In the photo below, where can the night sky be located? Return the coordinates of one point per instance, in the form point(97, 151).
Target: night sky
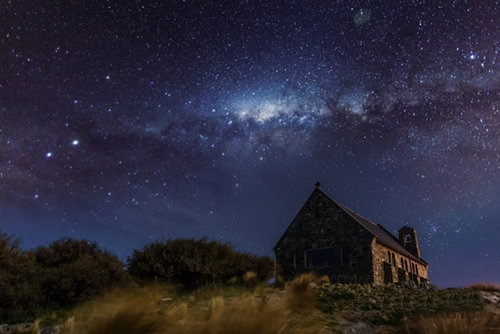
point(125, 122)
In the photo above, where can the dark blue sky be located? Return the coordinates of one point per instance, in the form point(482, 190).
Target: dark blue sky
point(126, 122)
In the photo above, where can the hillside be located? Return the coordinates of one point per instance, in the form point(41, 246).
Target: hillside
point(305, 305)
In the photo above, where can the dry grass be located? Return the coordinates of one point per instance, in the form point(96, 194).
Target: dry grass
point(250, 278)
point(265, 311)
point(300, 294)
point(455, 323)
point(481, 286)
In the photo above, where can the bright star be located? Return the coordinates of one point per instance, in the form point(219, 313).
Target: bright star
point(75, 142)
point(48, 155)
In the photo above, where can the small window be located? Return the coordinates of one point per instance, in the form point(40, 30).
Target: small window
point(388, 256)
point(406, 265)
point(393, 259)
point(402, 263)
point(416, 269)
point(408, 238)
point(322, 257)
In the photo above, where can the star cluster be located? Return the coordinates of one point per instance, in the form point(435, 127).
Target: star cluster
point(125, 122)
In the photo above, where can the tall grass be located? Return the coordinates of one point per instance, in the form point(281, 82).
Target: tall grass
point(455, 323)
point(149, 311)
point(300, 294)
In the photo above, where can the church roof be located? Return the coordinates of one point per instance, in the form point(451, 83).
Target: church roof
point(377, 230)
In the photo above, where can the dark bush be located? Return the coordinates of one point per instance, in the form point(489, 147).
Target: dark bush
point(19, 290)
point(192, 263)
point(72, 271)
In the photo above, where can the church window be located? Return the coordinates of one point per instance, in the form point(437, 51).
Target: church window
point(321, 257)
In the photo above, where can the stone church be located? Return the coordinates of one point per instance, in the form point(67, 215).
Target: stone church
point(331, 239)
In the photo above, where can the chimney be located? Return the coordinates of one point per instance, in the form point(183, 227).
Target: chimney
point(408, 238)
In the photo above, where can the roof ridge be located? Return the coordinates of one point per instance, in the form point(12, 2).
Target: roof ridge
point(388, 232)
point(356, 216)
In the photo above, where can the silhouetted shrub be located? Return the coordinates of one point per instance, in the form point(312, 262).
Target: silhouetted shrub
point(193, 263)
point(19, 291)
point(72, 271)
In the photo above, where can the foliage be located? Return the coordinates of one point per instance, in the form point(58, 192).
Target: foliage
point(72, 271)
point(193, 263)
point(19, 291)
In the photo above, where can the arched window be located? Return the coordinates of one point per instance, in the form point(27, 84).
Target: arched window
point(393, 259)
point(402, 263)
point(388, 256)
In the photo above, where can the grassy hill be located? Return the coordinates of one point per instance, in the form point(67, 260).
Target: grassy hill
point(305, 305)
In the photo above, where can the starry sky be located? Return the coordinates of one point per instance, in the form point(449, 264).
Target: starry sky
point(126, 122)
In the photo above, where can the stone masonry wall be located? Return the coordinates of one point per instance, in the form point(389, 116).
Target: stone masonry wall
point(320, 224)
point(399, 273)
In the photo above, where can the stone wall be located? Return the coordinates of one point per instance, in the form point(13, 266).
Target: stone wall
point(321, 223)
point(381, 261)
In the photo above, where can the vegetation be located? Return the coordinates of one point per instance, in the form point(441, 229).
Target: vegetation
point(200, 286)
point(72, 271)
point(147, 310)
point(480, 286)
point(454, 323)
point(69, 272)
point(58, 276)
point(19, 289)
point(392, 304)
point(193, 263)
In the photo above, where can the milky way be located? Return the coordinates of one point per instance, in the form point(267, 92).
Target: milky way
point(126, 122)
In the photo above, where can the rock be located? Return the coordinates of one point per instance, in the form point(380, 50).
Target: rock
point(356, 328)
point(6, 328)
point(50, 330)
point(490, 297)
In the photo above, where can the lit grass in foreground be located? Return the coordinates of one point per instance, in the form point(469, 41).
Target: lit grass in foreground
point(264, 311)
point(455, 323)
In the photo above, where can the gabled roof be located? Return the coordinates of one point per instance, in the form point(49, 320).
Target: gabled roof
point(379, 232)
